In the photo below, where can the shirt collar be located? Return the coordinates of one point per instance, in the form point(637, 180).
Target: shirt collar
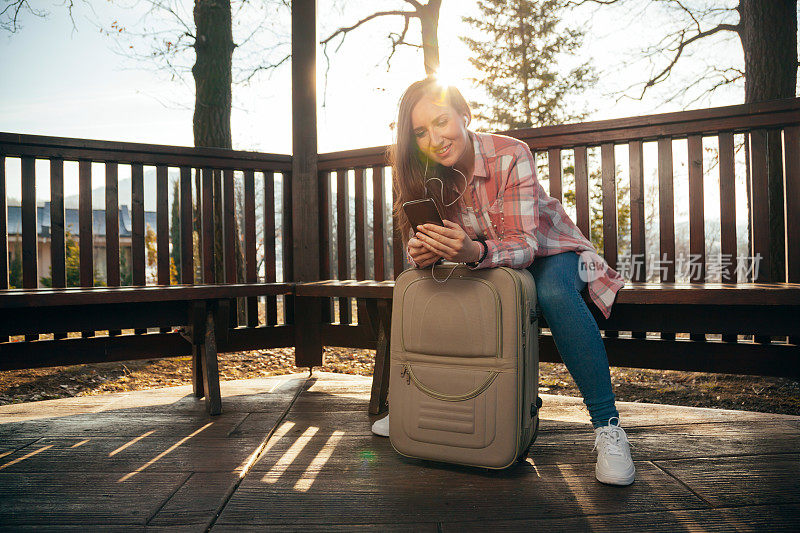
point(481, 169)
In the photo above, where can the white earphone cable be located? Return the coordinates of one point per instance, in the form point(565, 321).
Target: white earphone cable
point(441, 196)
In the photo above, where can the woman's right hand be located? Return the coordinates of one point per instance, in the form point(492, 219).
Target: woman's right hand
point(421, 255)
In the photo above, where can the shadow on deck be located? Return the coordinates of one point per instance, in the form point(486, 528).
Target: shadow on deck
point(296, 453)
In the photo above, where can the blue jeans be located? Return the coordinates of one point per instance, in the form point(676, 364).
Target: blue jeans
point(575, 331)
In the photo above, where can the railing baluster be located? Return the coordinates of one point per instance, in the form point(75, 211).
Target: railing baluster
point(791, 165)
point(361, 251)
point(207, 230)
point(378, 241)
point(187, 245)
point(162, 228)
point(609, 180)
point(697, 239)
point(57, 246)
point(582, 191)
point(112, 224)
point(759, 210)
point(162, 225)
point(137, 230)
point(229, 238)
point(3, 232)
point(343, 238)
point(727, 210)
point(666, 216)
point(85, 229)
point(58, 268)
point(759, 203)
point(638, 262)
point(251, 276)
point(324, 191)
point(112, 228)
point(269, 245)
point(288, 247)
point(554, 167)
point(29, 236)
point(609, 186)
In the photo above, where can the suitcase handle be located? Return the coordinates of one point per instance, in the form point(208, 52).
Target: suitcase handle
point(449, 397)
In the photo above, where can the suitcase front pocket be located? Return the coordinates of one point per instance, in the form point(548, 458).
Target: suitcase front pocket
point(458, 319)
point(449, 406)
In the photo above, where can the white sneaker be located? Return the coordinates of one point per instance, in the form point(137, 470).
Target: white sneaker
point(381, 427)
point(614, 463)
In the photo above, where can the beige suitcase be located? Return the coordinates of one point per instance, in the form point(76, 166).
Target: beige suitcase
point(464, 366)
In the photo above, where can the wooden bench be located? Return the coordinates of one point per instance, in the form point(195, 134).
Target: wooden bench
point(759, 309)
point(203, 313)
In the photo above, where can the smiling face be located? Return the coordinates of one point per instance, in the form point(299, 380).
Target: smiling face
point(440, 132)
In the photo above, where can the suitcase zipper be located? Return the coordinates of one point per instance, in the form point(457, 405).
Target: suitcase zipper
point(408, 373)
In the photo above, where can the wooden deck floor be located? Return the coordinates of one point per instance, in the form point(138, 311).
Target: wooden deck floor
point(296, 453)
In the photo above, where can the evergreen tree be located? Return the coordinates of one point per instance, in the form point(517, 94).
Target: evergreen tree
point(519, 53)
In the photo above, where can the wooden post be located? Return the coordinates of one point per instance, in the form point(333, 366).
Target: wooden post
point(305, 186)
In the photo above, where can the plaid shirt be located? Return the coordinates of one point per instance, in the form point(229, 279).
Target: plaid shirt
point(520, 221)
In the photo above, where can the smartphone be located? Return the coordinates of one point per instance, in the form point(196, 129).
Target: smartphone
point(422, 212)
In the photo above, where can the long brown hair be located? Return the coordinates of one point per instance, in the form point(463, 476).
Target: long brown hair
point(409, 162)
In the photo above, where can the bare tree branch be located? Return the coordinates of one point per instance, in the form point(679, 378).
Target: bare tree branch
point(13, 10)
point(345, 30)
point(398, 41)
point(269, 67)
point(664, 74)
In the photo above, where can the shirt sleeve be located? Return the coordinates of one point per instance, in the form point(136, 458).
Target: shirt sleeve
point(518, 245)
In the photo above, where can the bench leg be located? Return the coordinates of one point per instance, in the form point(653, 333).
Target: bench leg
point(210, 367)
point(197, 371)
point(379, 313)
point(198, 319)
point(308, 335)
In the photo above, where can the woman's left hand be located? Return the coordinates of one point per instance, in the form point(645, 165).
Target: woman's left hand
point(450, 242)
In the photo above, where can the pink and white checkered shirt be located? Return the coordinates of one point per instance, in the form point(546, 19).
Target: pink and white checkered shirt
point(520, 221)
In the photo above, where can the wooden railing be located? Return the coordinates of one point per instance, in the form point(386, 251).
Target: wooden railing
point(649, 142)
point(356, 234)
point(199, 172)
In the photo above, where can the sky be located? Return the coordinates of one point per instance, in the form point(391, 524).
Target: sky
point(67, 81)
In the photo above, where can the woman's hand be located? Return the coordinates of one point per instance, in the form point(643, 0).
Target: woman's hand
point(450, 242)
point(421, 255)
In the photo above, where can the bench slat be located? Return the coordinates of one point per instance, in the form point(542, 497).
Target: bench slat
point(760, 294)
point(14, 298)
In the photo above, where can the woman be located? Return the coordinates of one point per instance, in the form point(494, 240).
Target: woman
point(496, 213)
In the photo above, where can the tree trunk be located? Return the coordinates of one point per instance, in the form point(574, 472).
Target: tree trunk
point(768, 32)
point(212, 111)
point(212, 73)
point(769, 40)
point(429, 19)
